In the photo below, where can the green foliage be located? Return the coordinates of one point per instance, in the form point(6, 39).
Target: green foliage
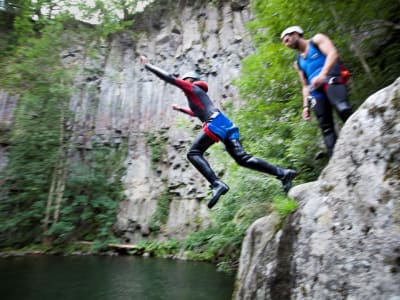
point(249, 199)
point(110, 16)
point(284, 205)
point(272, 88)
point(101, 245)
point(158, 248)
point(365, 32)
point(93, 192)
point(270, 123)
point(72, 248)
point(218, 244)
point(157, 142)
point(41, 147)
point(36, 73)
point(160, 216)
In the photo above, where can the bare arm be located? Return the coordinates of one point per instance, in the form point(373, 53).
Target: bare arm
point(327, 47)
point(305, 92)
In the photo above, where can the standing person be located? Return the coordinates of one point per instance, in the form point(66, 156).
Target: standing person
point(323, 85)
point(216, 127)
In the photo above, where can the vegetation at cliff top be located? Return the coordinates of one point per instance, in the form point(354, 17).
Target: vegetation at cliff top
point(47, 197)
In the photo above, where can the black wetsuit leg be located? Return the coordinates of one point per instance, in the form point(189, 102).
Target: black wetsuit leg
point(323, 112)
point(195, 156)
point(338, 97)
point(235, 149)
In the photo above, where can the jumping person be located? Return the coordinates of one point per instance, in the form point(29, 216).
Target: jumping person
point(216, 127)
point(323, 86)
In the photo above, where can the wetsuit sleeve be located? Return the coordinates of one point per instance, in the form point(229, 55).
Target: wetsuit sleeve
point(169, 78)
point(160, 73)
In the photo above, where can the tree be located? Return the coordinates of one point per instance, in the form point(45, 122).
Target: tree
point(35, 73)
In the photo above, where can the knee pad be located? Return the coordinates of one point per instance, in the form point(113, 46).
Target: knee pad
point(336, 92)
point(246, 160)
point(241, 156)
point(236, 150)
point(192, 154)
point(337, 95)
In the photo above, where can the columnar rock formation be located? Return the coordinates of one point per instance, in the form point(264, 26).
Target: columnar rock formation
point(118, 101)
point(210, 39)
point(7, 105)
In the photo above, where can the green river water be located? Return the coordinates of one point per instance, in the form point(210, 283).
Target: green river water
point(110, 278)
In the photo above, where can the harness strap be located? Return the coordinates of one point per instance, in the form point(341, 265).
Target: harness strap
point(333, 80)
point(208, 132)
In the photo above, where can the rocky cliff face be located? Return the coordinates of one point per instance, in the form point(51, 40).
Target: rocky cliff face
point(343, 242)
point(119, 102)
point(7, 105)
point(210, 39)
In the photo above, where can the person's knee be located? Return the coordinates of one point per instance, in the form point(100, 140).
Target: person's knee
point(338, 96)
point(337, 92)
point(241, 160)
point(241, 157)
point(247, 160)
point(237, 152)
point(193, 154)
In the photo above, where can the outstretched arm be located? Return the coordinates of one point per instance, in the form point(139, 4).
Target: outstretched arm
point(160, 73)
point(164, 75)
point(185, 110)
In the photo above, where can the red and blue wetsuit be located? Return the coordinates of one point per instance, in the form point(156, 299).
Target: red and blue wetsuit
point(199, 102)
point(216, 127)
point(215, 124)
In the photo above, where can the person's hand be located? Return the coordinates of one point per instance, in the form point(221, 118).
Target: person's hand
point(318, 81)
point(143, 59)
point(175, 107)
point(306, 113)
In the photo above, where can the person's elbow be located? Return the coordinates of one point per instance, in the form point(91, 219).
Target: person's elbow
point(334, 55)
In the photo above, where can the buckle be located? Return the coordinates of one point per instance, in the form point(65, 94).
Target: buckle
point(214, 115)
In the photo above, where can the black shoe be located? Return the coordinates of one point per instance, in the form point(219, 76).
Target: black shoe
point(219, 188)
point(286, 178)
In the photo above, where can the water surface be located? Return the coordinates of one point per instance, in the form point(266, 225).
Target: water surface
point(116, 278)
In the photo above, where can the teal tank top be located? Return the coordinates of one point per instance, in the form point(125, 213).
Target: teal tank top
point(313, 63)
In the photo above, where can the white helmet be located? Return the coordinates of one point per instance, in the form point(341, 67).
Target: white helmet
point(290, 30)
point(191, 74)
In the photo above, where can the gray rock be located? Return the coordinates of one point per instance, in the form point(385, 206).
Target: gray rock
point(343, 242)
